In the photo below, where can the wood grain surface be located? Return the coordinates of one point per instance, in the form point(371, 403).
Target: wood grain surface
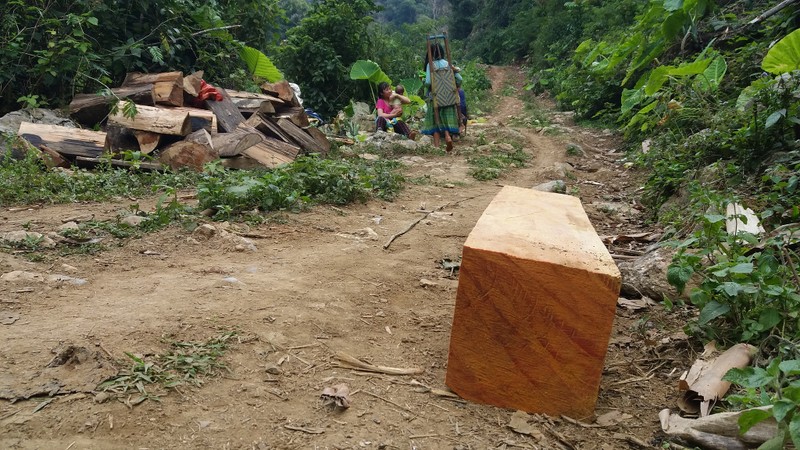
point(535, 304)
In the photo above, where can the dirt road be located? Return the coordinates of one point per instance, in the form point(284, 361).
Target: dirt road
point(320, 282)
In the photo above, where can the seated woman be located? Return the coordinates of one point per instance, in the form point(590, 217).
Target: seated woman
point(388, 114)
point(441, 120)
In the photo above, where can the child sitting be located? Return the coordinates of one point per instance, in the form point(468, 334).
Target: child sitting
point(396, 101)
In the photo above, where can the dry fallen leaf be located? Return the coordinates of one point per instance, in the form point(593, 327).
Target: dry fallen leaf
point(519, 423)
point(338, 395)
point(612, 418)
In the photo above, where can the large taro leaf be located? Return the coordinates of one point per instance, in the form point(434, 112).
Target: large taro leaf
point(259, 65)
point(368, 70)
point(412, 86)
point(713, 74)
point(784, 56)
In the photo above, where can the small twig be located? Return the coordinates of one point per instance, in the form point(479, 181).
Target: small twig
point(408, 228)
point(358, 364)
point(630, 380)
point(105, 350)
point(560, 437)
point(70, 445)
point(304, 430)
point(427, 213)
point(41, 406)
point(635, 441)
point(422, 436)
point(316, 344)
point(581, 424)
point(390, 402)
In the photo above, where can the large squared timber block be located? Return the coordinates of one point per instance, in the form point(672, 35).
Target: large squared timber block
point(536, 298)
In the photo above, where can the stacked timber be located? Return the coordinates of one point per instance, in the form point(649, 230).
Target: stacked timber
point(181, 122)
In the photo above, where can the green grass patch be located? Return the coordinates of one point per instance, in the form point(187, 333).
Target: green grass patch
point(28, 182)
point(184, 363)
point(493, 165)
point(308, 180)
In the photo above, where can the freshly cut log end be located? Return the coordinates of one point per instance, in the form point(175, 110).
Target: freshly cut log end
point(535, 305)
point(186, 154)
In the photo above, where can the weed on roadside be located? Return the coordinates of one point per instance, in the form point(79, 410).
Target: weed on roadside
point(184, 363)
point(491, 166)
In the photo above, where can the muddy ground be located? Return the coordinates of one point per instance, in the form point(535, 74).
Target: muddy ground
point(319, 283)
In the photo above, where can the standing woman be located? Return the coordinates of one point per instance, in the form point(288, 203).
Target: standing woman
point(388, 113)
point(448, 122)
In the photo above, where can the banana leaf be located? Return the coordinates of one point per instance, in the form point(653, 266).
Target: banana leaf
point(259, 65)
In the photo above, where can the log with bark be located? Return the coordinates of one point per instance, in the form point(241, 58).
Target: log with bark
point(198, 117)
point(168, 86)
point(299, 136)
point(187, 154)
point(235, 142)
point(268, 128)
point(91, 109)
point(294, 113)
point(251, 103)
point(282, 90)
point(120, 139)
point(64, 140)
point(228, 115)
point(154, 119)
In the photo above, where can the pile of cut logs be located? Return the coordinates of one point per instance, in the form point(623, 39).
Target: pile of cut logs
point(244, 130)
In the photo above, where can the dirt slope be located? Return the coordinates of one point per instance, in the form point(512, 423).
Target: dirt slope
point(319, 283)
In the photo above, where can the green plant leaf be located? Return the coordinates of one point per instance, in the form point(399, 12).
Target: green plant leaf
point(259, 65)
point(713, 74)
point(631, 98)
point(774, 118)
point(673, 24)
point(711, 311)
point(730, 288)
point(782, 408)
point(678, 276)
point(742, 268)
point(751, 417)
point(775, 443)
point(769, 318)
point(657, 79)
point(412, 85)
point(368, 70)
point(790, 367)
point(692, 68)
point(749, 377)
point(714, 218)
point(792, 393)
point(784, 56)
point(673, 5)
point(794, 430)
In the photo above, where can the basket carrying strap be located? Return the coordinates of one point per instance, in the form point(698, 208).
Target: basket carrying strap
point(444, 87)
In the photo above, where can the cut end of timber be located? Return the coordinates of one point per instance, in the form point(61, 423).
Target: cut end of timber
point(536, 300)
point(542, 226)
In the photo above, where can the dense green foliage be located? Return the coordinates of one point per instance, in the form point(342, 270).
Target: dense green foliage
point(32, 183)
point(321, 49)
point(289, 187)
point(54, 49)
